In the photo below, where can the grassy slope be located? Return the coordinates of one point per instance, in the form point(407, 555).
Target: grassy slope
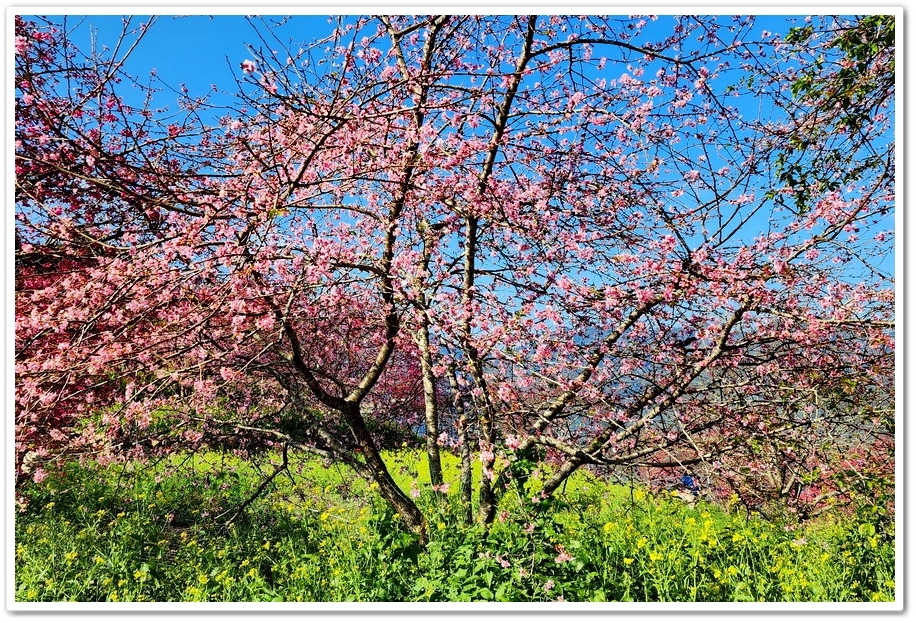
point(148, 533)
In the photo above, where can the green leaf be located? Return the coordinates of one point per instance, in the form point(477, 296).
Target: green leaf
point(867, 530)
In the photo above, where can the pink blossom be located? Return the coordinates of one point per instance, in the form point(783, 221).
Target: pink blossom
point(39, 475)
point(563, 556)
point(21, 44)
point(248, 66)
point(513, 442)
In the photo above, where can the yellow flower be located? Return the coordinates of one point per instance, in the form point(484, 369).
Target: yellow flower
point(655, 556)
point(70, 556)
point(202, 579)
point(113, 596)
point(641, 543)
point(628, 561)
point(609, 527)
point(99, 560)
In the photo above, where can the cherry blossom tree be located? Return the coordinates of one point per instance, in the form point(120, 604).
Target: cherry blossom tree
point(602, 241)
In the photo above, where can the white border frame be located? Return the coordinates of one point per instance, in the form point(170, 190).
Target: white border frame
point(205, 8)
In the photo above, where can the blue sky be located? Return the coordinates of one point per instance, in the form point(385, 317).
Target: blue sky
point(196, 50)
point(201, 51)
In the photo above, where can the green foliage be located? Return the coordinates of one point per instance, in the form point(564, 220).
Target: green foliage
point(840, 93)
point(147, 534)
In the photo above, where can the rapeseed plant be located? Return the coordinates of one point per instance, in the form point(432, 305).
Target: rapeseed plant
point(333, 548)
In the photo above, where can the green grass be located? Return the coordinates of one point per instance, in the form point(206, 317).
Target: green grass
point(154, 533)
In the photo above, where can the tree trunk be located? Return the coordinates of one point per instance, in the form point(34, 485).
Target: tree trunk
point(389, 490)
point(429, 404)
point(464, 445)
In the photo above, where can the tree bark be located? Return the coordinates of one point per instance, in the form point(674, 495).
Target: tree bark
point(466, 486)
point(388, 489)
point(430, 411)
